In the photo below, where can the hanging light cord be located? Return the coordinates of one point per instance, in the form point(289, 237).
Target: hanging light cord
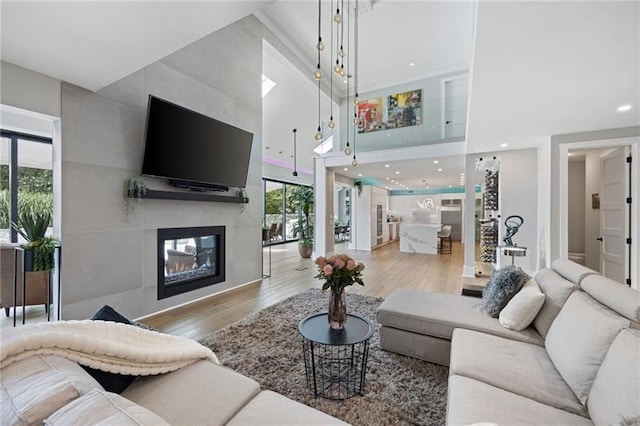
point(331, 75)
point(355, 83)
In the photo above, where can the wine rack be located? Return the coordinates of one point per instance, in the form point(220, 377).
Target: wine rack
point(488, 240)
point(491, 190)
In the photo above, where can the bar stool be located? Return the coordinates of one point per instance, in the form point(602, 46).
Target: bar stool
point(444, 239)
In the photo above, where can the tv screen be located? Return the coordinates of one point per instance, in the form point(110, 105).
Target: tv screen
point(187, 146)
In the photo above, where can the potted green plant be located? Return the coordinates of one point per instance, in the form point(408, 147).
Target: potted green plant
point(301, 199)
point(38, 251)
point(134, 190)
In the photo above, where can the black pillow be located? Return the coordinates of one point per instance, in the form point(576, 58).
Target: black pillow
point(502, 286)
point(111, 382)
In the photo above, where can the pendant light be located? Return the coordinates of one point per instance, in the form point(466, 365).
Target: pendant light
point(347, 149)
point(331, 124)
point(295, 154)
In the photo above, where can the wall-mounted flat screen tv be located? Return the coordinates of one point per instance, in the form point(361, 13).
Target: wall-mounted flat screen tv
point(190, 148)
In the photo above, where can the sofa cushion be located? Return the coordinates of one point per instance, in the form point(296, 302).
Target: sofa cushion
point(437, 314)
point(471, 401)
point(201, 393)
point(615, 395)
point(572, 271)
point(502, 286)
point(105, 408)
point(272, 408)
point(516, 367)
point(622, 299)
point(32, 389)
point(579, 338)
point(556, 291)
point(523, 307)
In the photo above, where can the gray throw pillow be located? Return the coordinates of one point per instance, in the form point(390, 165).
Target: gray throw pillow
point(502, 286)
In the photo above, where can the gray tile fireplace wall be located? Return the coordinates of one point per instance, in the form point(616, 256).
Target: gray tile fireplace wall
point(111, 258)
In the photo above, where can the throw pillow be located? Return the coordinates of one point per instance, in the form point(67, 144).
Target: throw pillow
point(502, 286)
point(100, 407)
point(523, 307)
point(111, 382)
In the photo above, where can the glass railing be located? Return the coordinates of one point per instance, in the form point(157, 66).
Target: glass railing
point(438, 120)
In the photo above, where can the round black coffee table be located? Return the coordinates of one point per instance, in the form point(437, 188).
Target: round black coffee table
point(335, 361)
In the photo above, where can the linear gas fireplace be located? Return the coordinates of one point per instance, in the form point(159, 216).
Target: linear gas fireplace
point(189, 258)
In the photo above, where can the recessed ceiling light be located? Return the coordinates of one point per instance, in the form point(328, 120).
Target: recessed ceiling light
point(433, 126)
point(345, 169)
point(397, 172)
point(450, 186)
point(412, 64)
point(392, 180)
point(359, 174)
point(386, 165)
point(504, 145)
point(461, 174)
point(436, 161)
point(439, 170)
point(624, 108)
point(345, 81)
point(387, 178)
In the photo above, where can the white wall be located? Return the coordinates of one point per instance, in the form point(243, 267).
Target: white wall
point(518, 196)
point(405, 205)
point(428, 132)
point(363, 233)
point(576, 194)
point(110, 258)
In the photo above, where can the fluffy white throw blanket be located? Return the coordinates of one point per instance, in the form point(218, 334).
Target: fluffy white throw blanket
point(108, 346)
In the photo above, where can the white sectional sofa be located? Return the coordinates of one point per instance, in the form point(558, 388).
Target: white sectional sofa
point(578, 363)
point(52, 388)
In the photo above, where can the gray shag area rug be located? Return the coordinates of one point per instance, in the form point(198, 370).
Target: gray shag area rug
point(267, 347)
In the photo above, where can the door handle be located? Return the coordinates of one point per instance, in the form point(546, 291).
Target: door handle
point(599, 239)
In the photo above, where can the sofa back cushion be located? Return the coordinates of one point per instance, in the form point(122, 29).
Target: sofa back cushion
point(572, 271)
point(622, 299)
point(34, 388)
point(556, 291)
point(579, 338)
point(615, 395)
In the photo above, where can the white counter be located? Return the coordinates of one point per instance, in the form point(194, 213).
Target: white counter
point(419, 238)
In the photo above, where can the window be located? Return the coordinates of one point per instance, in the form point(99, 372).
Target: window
point(279, 216)
point(26, 179)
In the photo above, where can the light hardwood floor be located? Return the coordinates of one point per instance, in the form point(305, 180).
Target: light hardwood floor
point(385, 270)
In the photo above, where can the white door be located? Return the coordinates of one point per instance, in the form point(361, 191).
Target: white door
point(614, 215)
point(455, 107)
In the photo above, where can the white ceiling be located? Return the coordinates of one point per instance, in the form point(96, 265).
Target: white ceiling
point(548, 68)
point(539, 68)
point(410, 174)
point(94, 43)
point(436, 36)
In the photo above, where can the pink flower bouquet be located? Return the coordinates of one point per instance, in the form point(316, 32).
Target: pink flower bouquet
point(338, 272)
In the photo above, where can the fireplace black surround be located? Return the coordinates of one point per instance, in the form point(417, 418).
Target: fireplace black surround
point(190, 258)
